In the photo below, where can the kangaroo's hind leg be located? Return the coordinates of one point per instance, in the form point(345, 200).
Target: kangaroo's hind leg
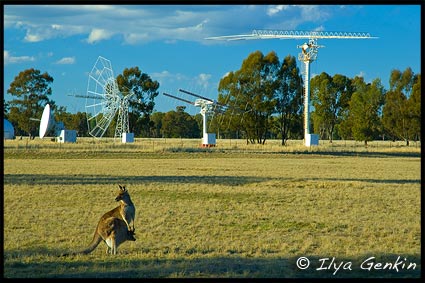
point(113, 244)
point(109, 244)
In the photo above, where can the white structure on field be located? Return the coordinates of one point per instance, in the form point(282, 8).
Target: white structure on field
point(8, 130)
point(308, 55)
point(207, 107)
point(48, 125)
point(104, 100)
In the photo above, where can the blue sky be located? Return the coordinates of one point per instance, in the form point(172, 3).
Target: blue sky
point(168, 43)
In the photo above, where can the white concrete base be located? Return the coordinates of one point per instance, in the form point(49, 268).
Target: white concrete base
point(311, 139)
point(67, 136)
point(208, 140)
point(127, 137)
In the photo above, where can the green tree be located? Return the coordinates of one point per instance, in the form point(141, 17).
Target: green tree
point(227, 122)
point(200, 122)
point(31, 90)
point(414, 109)
point(365, 107)
point(330, 97)
point(179, 124)
point(133, 80)
point(156, 118)
point(77, 121)
point(288, 96)
point(251, 90)
point(394, 116)
point(400, 113)
point(6, 108)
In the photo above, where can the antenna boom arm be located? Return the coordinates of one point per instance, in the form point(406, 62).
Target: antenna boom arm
point(288, 34)
point(178, 98)
point(196, 95)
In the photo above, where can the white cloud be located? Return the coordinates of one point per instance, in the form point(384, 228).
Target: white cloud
point(97, 35)
point(362, 74)
point(33, 37)
point(274, 9)
point(320, 28)
point(8, 59)
point(225, 75)
point(39, 32)
point(138, 24)
point(203, 79)
point(133, 38)
point(313, 13)
point(167, 76)
point(66, 61)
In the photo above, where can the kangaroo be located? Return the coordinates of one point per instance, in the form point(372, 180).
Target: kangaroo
point(111, 225)
point(113, 231)
point(126, 210)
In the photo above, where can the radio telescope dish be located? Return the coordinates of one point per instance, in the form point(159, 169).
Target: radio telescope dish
point(102, 99)
point(46, 121)
point(48, 125)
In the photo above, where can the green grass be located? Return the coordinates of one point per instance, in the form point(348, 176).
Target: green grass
point(223, 212)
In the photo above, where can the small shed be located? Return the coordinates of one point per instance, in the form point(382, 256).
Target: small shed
point(8, 130)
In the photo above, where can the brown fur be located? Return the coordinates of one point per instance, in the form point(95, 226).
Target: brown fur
point(113, 231)
point(126, 210)
point(114, 226)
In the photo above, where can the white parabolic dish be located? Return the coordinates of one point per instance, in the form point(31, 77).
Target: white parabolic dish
point(45, 122)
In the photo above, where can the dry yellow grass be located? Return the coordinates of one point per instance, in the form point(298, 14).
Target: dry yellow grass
point(210, 212)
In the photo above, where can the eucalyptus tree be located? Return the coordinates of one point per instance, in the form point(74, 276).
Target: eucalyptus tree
point(156, 118)
point(365, 109)
point(77, 121)
point(330, 97)
point(401, 112)
point(179, 124)
point(288, 96)
point(414, 106)
point(133, 80)
point(31, 90)
point(250, 92)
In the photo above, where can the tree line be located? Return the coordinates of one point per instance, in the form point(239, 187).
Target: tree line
point(262, 100)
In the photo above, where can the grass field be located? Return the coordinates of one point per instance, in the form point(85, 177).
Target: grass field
point(236, 210)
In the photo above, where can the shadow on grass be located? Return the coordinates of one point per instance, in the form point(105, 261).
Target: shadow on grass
point(44, 264)
point(359, 153)
point(376, 181)
point(34, 179)
point(204, 153)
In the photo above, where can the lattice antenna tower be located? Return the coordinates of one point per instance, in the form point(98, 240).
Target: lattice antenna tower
point(308, 55)
point(207, 107)
point(104, 100)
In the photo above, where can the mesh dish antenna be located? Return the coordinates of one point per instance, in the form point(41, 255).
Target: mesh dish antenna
point(103, 97)
point(104, 100)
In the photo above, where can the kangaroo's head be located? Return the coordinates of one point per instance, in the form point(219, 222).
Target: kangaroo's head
point(122, 193)
point(130, 236)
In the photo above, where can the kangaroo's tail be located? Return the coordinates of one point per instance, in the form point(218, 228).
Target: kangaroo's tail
point(94, 243)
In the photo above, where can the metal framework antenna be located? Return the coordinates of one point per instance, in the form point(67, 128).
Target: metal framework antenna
point(104, 100)
point(308, 55)
point(207, 107)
